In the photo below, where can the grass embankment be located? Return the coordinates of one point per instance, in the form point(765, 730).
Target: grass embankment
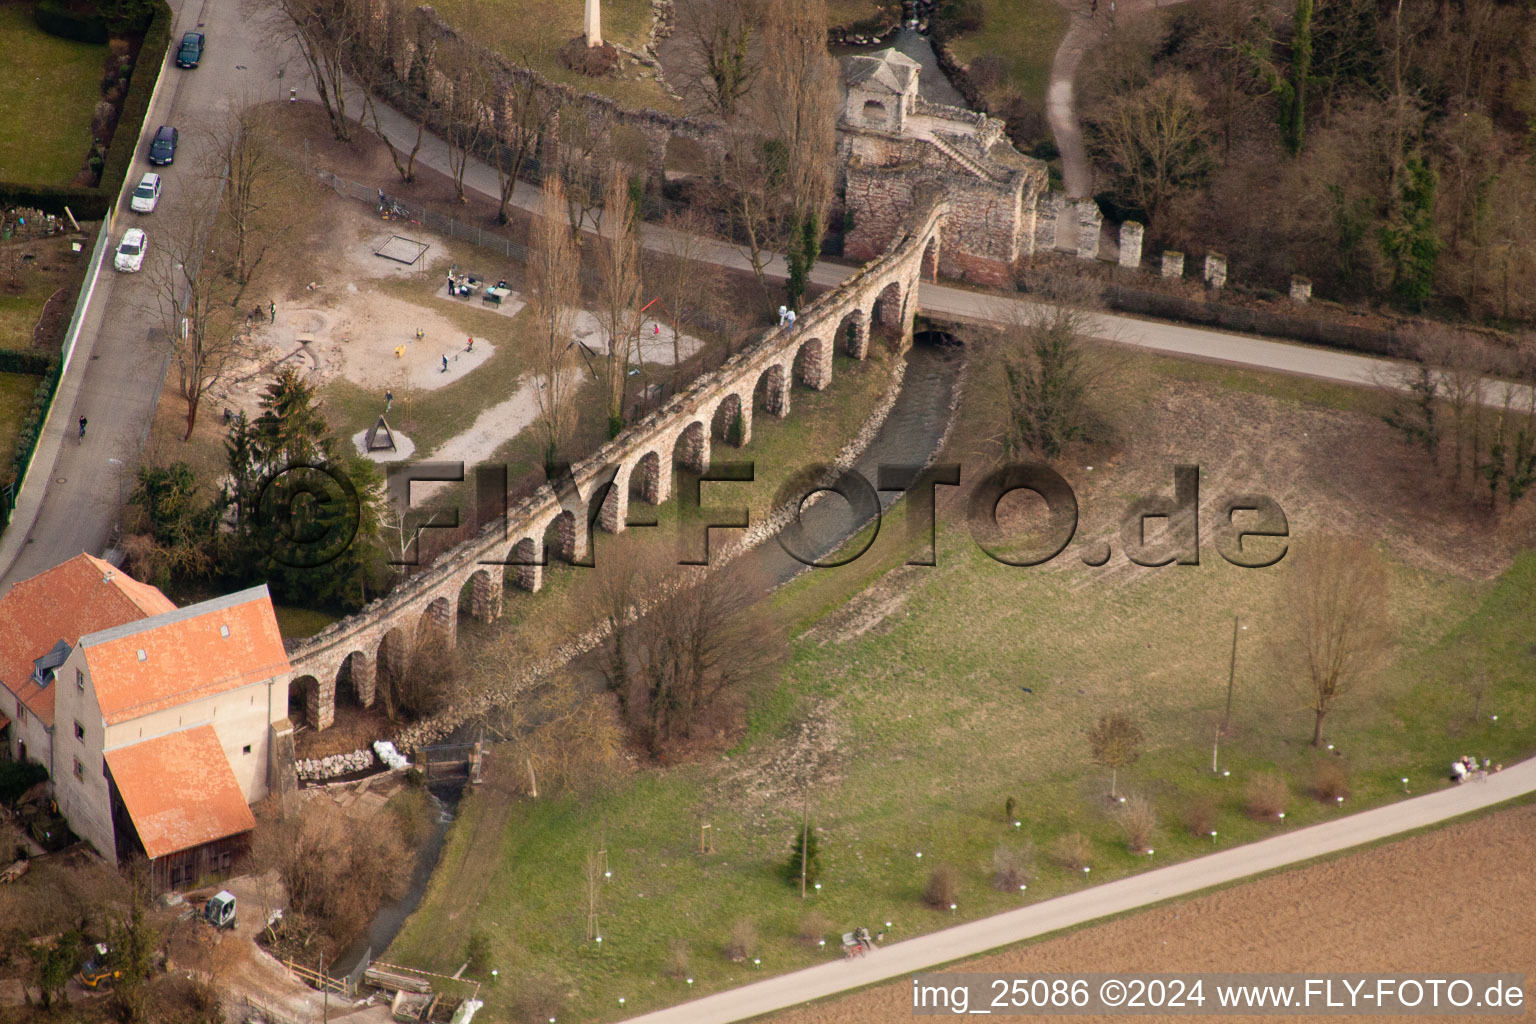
point(905, 719)
point(50, 92)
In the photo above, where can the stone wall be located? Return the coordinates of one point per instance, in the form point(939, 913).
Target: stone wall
point(990, 226)
point(407, 41)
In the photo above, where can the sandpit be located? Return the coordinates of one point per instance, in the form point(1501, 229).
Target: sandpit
point(372, 341)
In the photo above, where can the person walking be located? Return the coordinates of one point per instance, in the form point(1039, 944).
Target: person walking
point(82, 427)
point(445, 364)
point(783, 315)
point(469, 346)
point(791, 317)
point(272, 309)
point(389, 400)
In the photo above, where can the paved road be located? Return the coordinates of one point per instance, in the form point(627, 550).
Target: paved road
point(115, 376)
point(925, 952)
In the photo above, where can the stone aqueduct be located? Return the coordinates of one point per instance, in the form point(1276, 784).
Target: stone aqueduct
point(883, 291)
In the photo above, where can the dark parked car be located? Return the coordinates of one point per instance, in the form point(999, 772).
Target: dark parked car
point(163, 149)
point(191, 50)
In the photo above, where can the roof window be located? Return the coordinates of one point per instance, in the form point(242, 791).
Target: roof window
point(142, 655)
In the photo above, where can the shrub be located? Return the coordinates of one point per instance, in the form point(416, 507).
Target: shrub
point(1200, 816)
point(1267, 795)
point(814, 927)
point(677, 959)
point(1073, 851)
point(1013, 865)
point(943, 889)
point(742, 942)
point(1330, 781)
point(1138, 819)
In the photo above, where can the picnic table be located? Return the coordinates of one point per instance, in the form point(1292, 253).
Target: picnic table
point(495, 293)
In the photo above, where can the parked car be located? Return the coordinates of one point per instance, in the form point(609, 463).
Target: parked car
point(162, 150)
point(146, 195)
point(191, 50)
point(130, 251)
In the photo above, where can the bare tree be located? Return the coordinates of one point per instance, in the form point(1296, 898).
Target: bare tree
point(619, 290)
point(1116, 742)
point(190, 303)
point(554, 290)
point(325, 31)
point(1049, 379)
point(245, 158)
point(1155, 141)
point(466, 111)
point(373, 74)
point(686, 658)
point(753, 206)
point(721, 64)
point(524, 119)
point(680, 274)
point(800, 111)
point(1331, 632)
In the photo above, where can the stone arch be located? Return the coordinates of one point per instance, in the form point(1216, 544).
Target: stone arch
point(685, 158)
point(562, 536)
point(305, 704)
point(772, 391)
point(732, 421)
point(481, 595)
point(523, 567)
point(691, 449)
point(929, 269)
point(888, 306)
point(813, 364)
point(441, 616)
point(393, 659)
point(649, 480)
point(875, 114)
point(356, 679)
point(854, 332)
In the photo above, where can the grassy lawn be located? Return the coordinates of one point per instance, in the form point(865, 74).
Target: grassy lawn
point(51, 88)
point(908, 683)
point(1025, 34)
point(297, 623)
point(21, 310)
point(531, 32)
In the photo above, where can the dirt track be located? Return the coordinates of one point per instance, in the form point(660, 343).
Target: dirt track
point(1462, 898)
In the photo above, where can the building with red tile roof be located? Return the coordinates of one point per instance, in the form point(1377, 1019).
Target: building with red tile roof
point(158, 725)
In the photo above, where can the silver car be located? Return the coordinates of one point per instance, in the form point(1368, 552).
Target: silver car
point(146, 195)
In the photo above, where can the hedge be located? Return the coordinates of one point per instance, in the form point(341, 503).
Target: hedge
point(25, 361)
point(93, 203)
point(56, 19)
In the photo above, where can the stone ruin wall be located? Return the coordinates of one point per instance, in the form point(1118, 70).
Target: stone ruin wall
point(406, 40)
point(990, 226)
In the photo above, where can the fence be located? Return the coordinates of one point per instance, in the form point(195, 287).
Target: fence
point(317, 980)
point(261, 1010)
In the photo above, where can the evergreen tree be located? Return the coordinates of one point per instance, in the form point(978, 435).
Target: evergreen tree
point(806, 847)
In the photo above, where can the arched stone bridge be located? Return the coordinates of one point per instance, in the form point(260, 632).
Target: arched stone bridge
point(640, 459)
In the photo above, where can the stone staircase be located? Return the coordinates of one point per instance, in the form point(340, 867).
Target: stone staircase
point(954, 153)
